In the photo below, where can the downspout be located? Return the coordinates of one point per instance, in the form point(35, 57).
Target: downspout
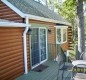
point(25, 44)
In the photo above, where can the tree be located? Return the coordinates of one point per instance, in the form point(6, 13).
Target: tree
point(71, 10)
point(68, 11)
point(80, 24)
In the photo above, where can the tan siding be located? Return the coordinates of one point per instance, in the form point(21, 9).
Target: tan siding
point(28, 51)
point(42, 22)
point(52, 35)
point(70, 38)
point(52, 42)
point(11, 53)
point(8, 14)
point(67, 45)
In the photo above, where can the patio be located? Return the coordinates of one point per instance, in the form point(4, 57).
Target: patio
point(49, 73)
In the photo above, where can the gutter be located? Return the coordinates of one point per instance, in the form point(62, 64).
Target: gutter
point(11, 24)
point(47, 20)
point(25, 44)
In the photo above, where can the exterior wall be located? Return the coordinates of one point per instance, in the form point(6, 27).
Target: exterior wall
point(67, 45)
point(52, 43)
point(28, 51)
point(41, 22)
point(8, 14)
point(52, 35)
point(52, 38)
point(11, 53)
point(70, 38)
point(11, 45)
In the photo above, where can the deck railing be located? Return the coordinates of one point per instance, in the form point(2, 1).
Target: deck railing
point(55, 50)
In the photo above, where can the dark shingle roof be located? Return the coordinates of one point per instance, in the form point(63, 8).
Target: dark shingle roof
point(34, 8)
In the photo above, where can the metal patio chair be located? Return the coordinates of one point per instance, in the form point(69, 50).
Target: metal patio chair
point(61, 63)
point(79, 65)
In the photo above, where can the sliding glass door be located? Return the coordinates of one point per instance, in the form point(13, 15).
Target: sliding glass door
point(43, 44)
point(38, 46)
point(35, 46)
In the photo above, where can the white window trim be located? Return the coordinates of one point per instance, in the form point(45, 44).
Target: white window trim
point(61, 35)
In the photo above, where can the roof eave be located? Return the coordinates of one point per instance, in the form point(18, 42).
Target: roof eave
point(47, 20)
point(23, 15)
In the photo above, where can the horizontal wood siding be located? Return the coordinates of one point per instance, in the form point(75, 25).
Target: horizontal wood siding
point(8, 14)
point(52, 42)
point(11, 53)
point(28, 51)
point(42, 22)
point(70, 47)
point(52, 35)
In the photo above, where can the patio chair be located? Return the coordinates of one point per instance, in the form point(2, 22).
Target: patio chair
point(79, 65)
point(62, 58)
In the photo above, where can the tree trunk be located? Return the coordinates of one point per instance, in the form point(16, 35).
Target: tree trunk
point(80, 24)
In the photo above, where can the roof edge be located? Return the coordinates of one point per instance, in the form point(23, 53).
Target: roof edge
point(23, 15)
point(47, 19)
point(13, 8)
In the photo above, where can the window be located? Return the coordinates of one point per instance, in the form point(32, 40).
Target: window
point(61, 35)
point(41, 1)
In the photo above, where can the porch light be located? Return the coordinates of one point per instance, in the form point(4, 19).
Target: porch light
point(49, 31)
point(30, 30)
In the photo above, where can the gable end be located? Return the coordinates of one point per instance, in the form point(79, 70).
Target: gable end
point(8, 14)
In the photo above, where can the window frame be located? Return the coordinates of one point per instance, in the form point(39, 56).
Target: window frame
point(62, 40)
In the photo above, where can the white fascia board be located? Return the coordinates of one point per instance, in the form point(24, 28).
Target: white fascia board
point(10, 24)
point(13, 8)
point(46, 19)
point(23, 15)
point(61, 26)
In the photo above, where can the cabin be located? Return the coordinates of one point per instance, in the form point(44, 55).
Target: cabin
point(29, 35)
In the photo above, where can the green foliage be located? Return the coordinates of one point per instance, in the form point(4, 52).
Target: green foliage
point(68, 10)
